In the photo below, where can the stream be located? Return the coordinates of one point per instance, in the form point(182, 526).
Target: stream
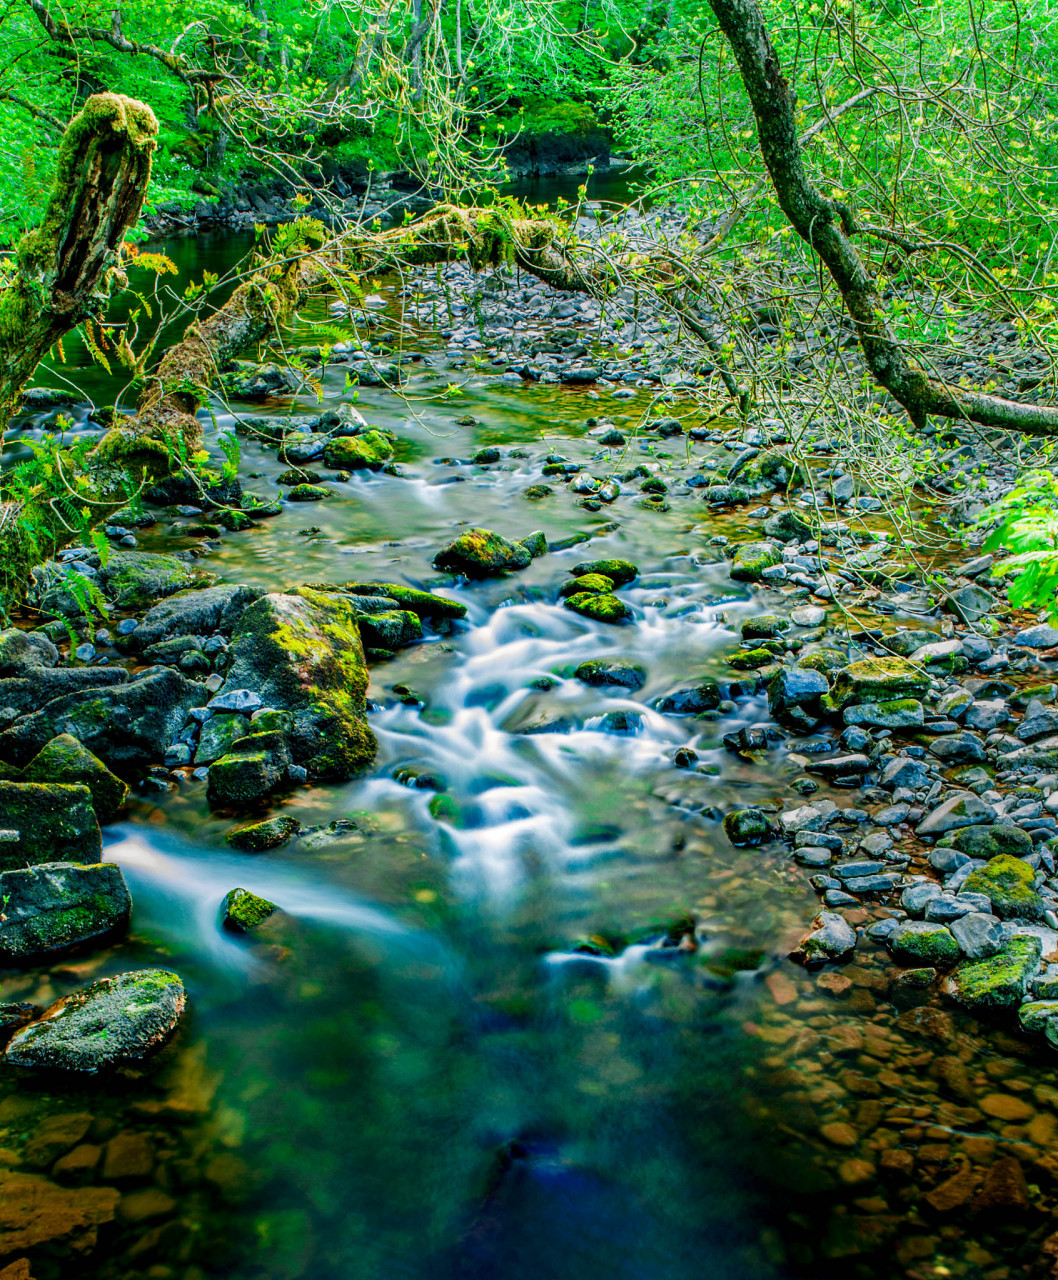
point(423, 1077)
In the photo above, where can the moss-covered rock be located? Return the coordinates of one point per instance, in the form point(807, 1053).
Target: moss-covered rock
point(535, 543)
point(136, 579)
point(255, 766)
point(922, 942)
point(58, 906)
point(747, 827)
point(764, 626)
point(875, 680)
point(368, 451)
point(218, 735)
point(600, 608)
point(65, 759)
point(303, 654)
point(896, 713)
point(424, 603)
point(55, 822)
point(611, 671)
point(751, 659)
point(480, 553)
point(391, 629)
point(1007, 882)
point(990, 841)
point(826, 661)
point(308, 493)
point(752, 558)
point(620, 572)
point(1000, 981)
point(22, 652)
point(268, 834)
point(243, 911)
point(113, 1022)
point(593, 583)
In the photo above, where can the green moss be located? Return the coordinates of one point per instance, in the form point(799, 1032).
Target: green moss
point(764, 626)
point(64, 759)
point(987, 842)
point(876, 680)
point(752, 558)
point(1007, 882)
point(600, 608)
point(751, 659)
point(243, 911)
point(423, 603)
point(620, 572)
point(747, 827)
point(366, 452)
point(259, 836)
point(1000, 981)
point(480, 553)
point(308, 493)
point(924, 943)
point(593, 583)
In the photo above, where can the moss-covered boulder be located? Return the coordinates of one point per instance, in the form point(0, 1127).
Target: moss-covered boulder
point(309, 493)
point(218, 735)
point(53, 822)
point(611, 671)
point(271, 833)
point(895, 713)
point(136, 579)
point(875, 680)
point(243, 911)
point(22, 652)
point(114, 1022)
point(593, 583)
point(391, 629)
point(58, 906)
point(65, 759)
point(752, 558)
point(747, 827)
point(600, 608)
point(1007, 882)
point(128, 726)
point(751, 659)
point(990, 841)
point(921, 942)
point(424, 603)
point(194, 613)
point(255, 766)
point(303, 654)
point(620, 572)
point(480, 553)
point(1000, 981)
point(369, 451)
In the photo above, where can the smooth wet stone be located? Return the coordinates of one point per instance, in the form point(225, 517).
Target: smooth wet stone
point(833, 939)
point(903, 772)
point(272, 833)
point(978, 934)
point(961, 810)
point(600, 672)
point(876, 680)
point(243, 912)
point(882, 882)
point(51, 822)
point(752, 558)
point(898, 713)
point(795, 687)
point(1034, 1015)
point(747, 827)
point(58, 906)
point(918, 942)
point(947, 860)
point(117, 1020)
point(944, 908)
point(915, 897)
point(480, 553)
point(806, 818)
point(242, 700)
point(808, 615)
point(1000, 980)
point(958, 748)
point(813, 856)
point(1041, 636)
point(620, 572)
point(840, 766)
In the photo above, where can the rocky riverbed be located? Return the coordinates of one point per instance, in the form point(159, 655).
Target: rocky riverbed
point(575, 621)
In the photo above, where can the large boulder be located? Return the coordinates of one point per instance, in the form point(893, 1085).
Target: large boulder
point(480, 553)
point(368, 451)
point(195, 613)
point(113, 1022)
point(57, 906)
point(30, 692)
point(1007, 882)
point(752, 558)
point(66, 760)
point(128, 726)
point(54, 822)
point(302, 654)
point(876, 680)
point(21, 651)
point(136, 579)
point(255, 766)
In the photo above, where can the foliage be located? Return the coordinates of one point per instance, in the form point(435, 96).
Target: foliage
point(1027, 533)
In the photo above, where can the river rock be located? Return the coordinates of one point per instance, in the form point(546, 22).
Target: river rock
point(692, 701)
point(958, 748)
point(244, 912)
point(302, 654)
point(764, 626)
point(615, 671)
point(66, 760)
point(832, 939)
point(964, 809)
point(127, 726)
point(795, 687)
point(620, 572)
point(747, 827)
point(600, 608)
point(56, 906)
point(752, 558)
point(876, 680)
point(137, 1011)
point(28, 693)
point(271, 833)
point(921, 942)
point(480, 553)
point(368, 451)
point(254, 767)
point(1042, 636)
point(136, 579)
point(1007, 882)
point(999, 981)
point(898, 713)
point(390, 630)
point(978, 934)
point(35, 1212)
point(988, 841)
point(424, 603)
point(54, 821)
point(194, 613)
point(25, 651)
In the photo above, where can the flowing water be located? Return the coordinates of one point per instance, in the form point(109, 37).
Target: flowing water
point(419, 1076)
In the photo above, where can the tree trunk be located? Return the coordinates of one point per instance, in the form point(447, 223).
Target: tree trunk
point(828, 227)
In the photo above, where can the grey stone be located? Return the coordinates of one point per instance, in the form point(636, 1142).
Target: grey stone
point(963, 809)
point(978, 934)
point(1042, 636)
point(241, 700)
point(915, 897)
point(57, 906)
point(833, 939)
point(986, 715)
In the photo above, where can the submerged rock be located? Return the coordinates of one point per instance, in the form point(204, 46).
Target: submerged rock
point(268, 834)
point(607, 671)
point(620, 572)
point(480, 553)
point(115, 1021)
point(747, 827)
point(58, 906)
point(692, 701)
point(54, 822)
point(833, 939)
point(243, 911)
point(600, 608)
